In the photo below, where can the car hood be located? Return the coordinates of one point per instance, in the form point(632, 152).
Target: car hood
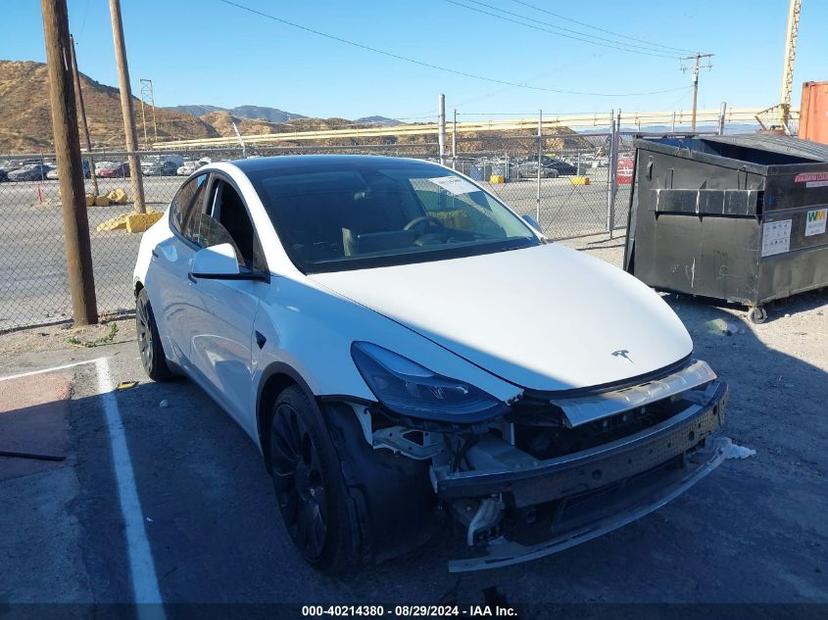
point(545, 318)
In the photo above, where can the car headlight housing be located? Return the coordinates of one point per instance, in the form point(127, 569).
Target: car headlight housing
point(408, 389)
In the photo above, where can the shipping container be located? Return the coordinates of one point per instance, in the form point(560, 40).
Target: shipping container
point(813, 112)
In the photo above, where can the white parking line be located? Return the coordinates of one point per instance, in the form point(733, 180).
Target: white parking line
point(52, 369)
point(141, 565)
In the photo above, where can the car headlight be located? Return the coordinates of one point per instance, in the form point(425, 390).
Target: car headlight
point(409, 389)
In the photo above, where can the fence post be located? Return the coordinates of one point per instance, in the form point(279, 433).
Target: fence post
point(612, 186)
point(540, 157)
point(722, 113)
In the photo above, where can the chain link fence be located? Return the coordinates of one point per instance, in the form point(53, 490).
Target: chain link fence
point(572, 196)
point(569, 194)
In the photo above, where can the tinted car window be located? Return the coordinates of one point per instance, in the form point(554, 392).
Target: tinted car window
point(187, 203)
point(231, 223)
point(362, 216)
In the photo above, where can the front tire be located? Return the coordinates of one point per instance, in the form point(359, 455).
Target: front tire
point(310, 490)
point(367, 505)
point(152, 354)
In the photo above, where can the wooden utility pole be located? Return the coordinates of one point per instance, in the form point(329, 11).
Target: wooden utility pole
point(70, 167)
point(83, 116)
point(696, 58)
point(126, 106)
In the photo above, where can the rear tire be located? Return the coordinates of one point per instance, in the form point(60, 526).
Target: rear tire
point(150, 349)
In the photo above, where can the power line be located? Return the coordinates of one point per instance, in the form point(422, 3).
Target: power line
point(437, 67)
point(575, 35)
point(604, 30)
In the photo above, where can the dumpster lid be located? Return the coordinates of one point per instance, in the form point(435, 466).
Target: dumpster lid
point(785, 145)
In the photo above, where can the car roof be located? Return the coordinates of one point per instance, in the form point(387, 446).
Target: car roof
point(297, 163)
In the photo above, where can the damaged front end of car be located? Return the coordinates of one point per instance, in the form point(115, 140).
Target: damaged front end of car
point(553, 470)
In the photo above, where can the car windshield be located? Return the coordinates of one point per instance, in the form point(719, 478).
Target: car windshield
point(357, 215)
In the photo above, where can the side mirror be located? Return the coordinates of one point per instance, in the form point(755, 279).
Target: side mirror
point(219, 262)
point(216, 262)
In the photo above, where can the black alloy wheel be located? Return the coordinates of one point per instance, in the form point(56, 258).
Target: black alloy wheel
point(299, 480)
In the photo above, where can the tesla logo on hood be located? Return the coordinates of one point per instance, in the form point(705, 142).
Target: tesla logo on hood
point(623, 353)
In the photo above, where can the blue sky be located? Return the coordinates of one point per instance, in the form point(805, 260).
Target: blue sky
point(206, 52)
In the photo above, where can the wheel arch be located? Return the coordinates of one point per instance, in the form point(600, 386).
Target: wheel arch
point(275, 379)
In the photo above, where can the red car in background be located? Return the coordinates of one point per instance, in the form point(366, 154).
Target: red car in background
point(118, 171)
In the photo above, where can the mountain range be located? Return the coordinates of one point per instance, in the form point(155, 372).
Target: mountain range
point(26, 124)
point(255, 112)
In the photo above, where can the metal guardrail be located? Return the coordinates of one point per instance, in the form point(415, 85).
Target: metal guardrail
point(549, 124)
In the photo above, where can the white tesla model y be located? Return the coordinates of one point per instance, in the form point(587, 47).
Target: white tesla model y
point(404, 349)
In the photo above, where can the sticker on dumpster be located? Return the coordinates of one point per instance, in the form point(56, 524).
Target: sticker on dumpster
point(455, 185)
point(815, 222)
point(812, 179)
point(776, 237)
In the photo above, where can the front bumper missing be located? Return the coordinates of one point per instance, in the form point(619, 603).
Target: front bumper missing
point(594, 491)
point(635, 504)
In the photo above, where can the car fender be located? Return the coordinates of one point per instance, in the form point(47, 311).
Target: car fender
point(307, 332)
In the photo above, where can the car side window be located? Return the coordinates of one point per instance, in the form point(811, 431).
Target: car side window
point(231, 221)
point(187, 204)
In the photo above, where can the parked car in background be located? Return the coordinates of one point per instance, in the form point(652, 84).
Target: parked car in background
point(403, 348)
point(100, 165)
point(31, 172)
point(159, 168)
point(53, 173)
point(118, 171)
point(529, 170)
point(3, 176)
point(188, 167)
point(558, 164)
